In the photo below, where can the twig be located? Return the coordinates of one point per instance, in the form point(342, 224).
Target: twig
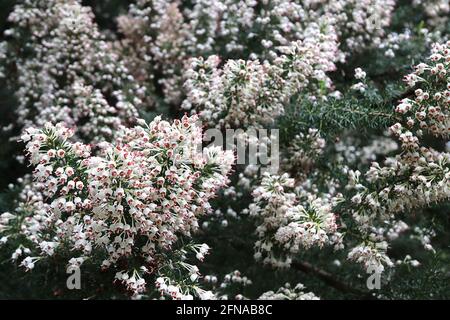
point(329, 279)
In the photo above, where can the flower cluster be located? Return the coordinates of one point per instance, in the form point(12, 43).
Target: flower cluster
point(372, 256)
point(419, 175)
point(154, 41)
point(252, 28)
point(419, 172)
point(134, 199)
point(271, 50)
point(436, 11)
point(290, 221)
point(248, 93)
point(428, 111)
point(289, 293)
point(64, 70)
point(303, 151)
point(161, 37)
point(231, 285)
point(359, 23)
point(350, 151)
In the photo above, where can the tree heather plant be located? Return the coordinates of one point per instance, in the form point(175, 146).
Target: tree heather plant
point(117, 105)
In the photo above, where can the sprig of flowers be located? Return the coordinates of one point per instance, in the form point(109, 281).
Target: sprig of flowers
point(131, 201)
point(288, 223)
point(251, 93)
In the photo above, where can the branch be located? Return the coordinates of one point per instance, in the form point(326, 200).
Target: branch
point(328, 278)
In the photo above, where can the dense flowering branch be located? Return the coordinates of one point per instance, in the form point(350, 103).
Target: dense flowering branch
point(57, 59)
point(131, 201)
point(161, 37)
point(416, 177)
point(290, 222)
point(248, 93)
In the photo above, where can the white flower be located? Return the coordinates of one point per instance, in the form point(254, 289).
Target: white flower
point(194, 277)
point(360, 74)
point(206, 295)
point(3, 240)
point(28, 263)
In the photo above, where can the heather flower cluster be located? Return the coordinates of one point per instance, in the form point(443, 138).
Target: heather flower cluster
point(420, 172)
point(290, 221)
point(226, 149)
point(248, 93)
point(230, 287)
point(289, 293)
point(135, 198)
point(304, 150)
point(292, 47)
point(417, 176)
point(436, 10)
point(66, 71)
